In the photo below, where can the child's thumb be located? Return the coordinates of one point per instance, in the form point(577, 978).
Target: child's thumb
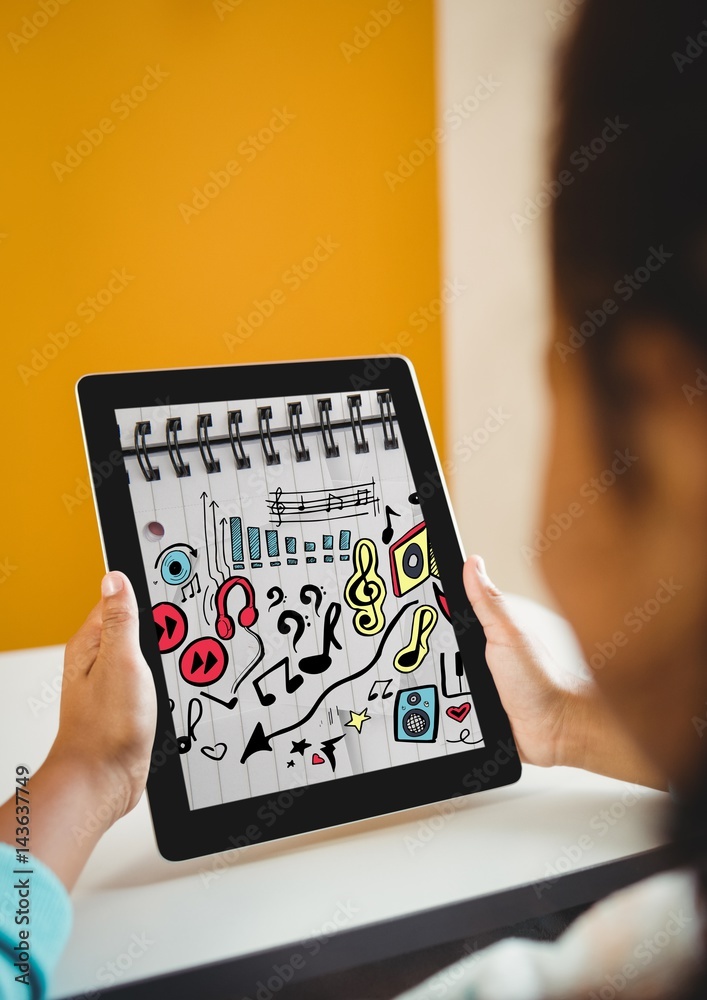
point(119, 617)
point(486, 599)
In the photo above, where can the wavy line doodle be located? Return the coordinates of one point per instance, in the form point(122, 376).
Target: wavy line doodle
point(259, 740)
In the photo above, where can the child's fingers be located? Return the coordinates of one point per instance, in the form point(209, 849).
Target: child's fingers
point(119, 615)
point(82, 647)
point(487, 601)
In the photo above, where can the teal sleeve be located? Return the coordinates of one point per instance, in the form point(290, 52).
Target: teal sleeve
point(47, 922)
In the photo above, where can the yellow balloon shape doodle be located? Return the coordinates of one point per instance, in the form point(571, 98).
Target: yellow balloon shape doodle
point(411, 656)
point(365, 590)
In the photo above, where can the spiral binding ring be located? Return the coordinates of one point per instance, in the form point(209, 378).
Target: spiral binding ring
point(203, 422)
point(331, 449)
point(143, 427)
point(272, 457)
point(301, 451)
point(181, 467)
point(234, 433)
point(385, 402)
point(360, 443)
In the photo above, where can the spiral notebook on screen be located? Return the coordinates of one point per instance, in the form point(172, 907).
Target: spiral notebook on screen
point(304, 632)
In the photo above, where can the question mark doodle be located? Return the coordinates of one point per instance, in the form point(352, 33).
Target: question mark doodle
point(278, 599)
point(284, 628)
point(306, 599)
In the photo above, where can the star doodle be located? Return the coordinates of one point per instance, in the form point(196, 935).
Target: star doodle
point(357, 719)
point(290, 763)
point(299, 746)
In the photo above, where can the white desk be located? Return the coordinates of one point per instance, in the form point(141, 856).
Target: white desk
point(202, 911)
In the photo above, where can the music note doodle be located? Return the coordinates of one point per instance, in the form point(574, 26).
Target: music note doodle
point(385, 693)
point(194, 713)
point(336, 500)
point(411, 656)
point(365, 590)
point(291, 683)
point(320, 662)
point(387, 535)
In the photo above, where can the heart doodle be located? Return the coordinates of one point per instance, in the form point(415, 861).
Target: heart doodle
point(316, 759)
point(459, 712)
point(215, 753)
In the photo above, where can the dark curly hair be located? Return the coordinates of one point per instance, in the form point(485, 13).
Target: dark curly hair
point(629, 215)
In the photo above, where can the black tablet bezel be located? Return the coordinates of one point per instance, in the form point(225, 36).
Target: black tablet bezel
point(182, 833)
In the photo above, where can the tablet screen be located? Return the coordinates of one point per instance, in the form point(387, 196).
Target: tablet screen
point(303, 629)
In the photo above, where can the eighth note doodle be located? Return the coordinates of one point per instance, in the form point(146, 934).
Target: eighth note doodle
point(385, 693)
point(411, 656)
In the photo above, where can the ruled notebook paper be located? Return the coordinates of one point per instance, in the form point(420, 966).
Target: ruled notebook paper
point(303, 630)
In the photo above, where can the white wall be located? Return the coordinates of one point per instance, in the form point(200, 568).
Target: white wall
point(496, 329)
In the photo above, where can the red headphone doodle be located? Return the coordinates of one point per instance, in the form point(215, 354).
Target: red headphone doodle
point(247, 616)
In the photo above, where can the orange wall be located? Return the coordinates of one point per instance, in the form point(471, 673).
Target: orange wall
point(349, 98)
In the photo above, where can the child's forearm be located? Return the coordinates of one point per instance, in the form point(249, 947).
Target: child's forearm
point(68, 814)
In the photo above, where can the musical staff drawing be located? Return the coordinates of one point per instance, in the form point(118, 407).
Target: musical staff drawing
point(293, 506)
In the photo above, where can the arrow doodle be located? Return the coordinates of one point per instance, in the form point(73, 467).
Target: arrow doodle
point(258, 738)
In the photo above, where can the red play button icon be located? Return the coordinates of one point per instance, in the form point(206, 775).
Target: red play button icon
point(203, 661)
point(171, 624)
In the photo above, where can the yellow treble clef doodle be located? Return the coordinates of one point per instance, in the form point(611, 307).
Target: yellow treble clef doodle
point(411, 656)
point(365, 589)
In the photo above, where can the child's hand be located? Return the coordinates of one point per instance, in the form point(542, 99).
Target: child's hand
point(552, 723)
point(540, 711)
point(108, 704)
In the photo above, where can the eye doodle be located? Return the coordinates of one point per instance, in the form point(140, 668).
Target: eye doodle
point(176, 567)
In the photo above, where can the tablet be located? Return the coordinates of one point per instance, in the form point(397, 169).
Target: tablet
point(289, 536)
